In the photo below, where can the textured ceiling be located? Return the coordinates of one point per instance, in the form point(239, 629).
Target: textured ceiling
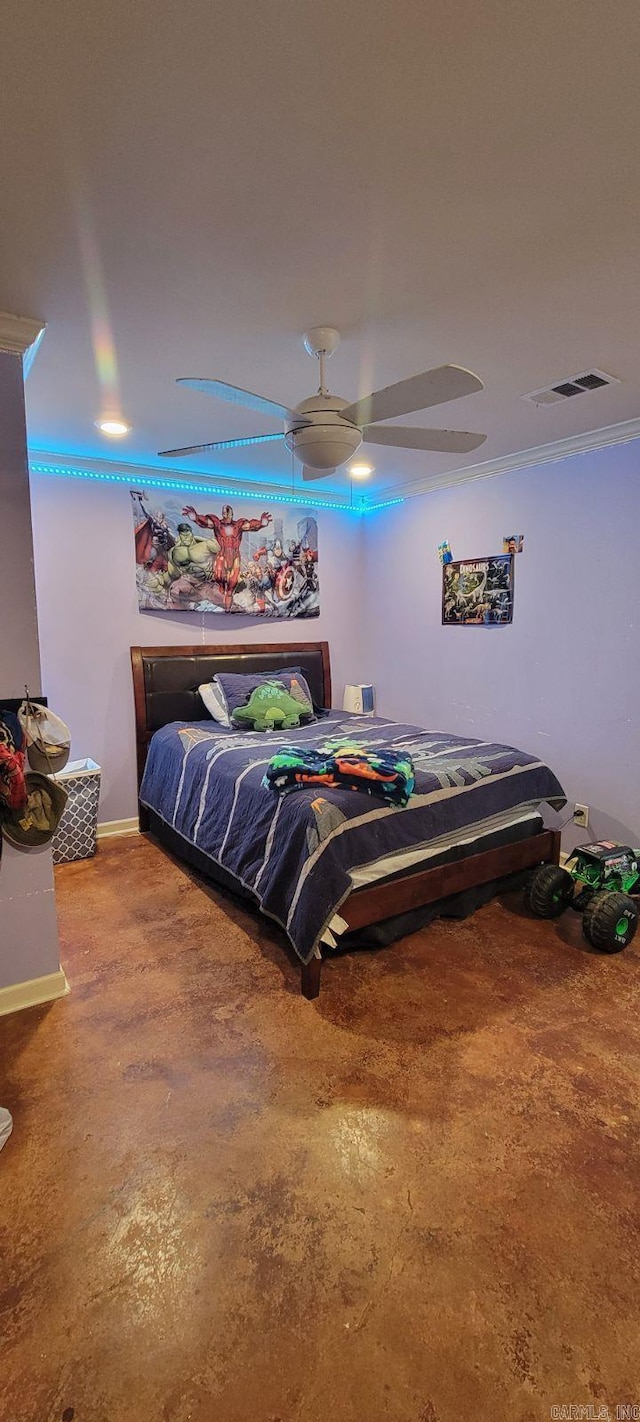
point(195, 184)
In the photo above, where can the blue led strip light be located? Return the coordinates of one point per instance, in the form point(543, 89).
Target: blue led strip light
point(189, 487)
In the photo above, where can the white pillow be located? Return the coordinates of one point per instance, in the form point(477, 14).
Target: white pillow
point(215, 702)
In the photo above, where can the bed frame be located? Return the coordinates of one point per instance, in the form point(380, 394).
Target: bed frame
point(165, 682)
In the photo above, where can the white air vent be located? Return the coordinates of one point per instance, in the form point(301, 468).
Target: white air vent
point(568, 389)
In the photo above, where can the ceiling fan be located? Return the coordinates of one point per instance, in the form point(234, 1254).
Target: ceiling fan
point(325, 431)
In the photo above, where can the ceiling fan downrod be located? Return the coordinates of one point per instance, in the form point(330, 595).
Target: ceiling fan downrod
point(321, 342)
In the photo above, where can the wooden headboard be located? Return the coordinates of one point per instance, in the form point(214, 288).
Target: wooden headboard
point(166, 679)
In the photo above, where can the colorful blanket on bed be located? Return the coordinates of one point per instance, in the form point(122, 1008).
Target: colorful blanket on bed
point(350, 765)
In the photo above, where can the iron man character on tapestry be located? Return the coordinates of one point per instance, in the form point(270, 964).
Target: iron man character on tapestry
point(228, 531)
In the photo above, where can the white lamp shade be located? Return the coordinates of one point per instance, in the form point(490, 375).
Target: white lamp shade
point(359, 699)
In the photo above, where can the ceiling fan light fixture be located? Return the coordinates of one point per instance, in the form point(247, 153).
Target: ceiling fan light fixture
point(324, 448)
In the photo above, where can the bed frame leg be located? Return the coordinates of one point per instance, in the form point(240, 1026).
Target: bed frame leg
point(555, 847)
point(143, 819)
point(311, 978)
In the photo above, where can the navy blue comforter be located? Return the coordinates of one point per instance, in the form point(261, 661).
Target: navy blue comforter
point(294, 852)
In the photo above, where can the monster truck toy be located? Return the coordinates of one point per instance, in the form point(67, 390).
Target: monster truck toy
point(597, 882)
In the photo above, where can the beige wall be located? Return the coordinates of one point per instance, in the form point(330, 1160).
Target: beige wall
point(28, 927)
point(19, 654)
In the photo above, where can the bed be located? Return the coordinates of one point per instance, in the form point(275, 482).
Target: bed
point(341, 868)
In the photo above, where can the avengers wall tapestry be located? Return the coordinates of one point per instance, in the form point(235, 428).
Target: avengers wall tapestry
point(478, 592)
point(214, 558)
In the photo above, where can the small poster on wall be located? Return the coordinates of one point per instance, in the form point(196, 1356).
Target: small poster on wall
point(214, 558)
point(478, 592)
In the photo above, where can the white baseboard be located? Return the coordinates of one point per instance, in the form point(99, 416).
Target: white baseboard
point(118, 827)
point(33, 993)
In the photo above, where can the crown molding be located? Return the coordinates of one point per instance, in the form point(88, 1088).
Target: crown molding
point(523, 459)
point(20, 335)
point(43, 461)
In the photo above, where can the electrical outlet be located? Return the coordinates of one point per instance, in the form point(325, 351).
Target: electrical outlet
point(581, 815)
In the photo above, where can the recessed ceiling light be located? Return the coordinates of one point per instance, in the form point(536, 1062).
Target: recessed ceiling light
point(114, 428)
point(360, 471)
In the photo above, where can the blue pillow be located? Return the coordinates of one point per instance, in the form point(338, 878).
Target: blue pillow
point(236, 687)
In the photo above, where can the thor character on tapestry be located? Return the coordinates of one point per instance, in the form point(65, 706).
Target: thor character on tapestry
point(210, 560)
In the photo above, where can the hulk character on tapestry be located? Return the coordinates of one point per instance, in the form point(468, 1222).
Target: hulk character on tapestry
point(217, 559)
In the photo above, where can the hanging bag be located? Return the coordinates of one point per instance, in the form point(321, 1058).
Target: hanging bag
point(13, 792)
point(47, 738)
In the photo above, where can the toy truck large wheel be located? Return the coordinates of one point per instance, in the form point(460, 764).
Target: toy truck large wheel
point(610, 921)
point(548, 891)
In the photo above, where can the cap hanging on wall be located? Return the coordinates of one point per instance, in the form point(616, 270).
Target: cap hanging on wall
point(47, 737)
point(37, 822)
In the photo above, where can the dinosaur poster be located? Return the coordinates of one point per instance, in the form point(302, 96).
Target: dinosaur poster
point(478, 592)
point(260, 560)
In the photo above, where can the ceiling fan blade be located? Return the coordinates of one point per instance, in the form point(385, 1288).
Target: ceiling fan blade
point(419, 392)
point(217, 444)
point(440, 441)
point(309, 474)
point(235, 395)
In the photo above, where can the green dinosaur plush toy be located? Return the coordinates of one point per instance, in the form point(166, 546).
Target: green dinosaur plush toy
point(270, 708)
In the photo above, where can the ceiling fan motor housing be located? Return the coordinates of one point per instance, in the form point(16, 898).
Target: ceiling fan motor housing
point(318, 436)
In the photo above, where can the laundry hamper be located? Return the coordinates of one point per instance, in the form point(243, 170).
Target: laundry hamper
point(77, 833)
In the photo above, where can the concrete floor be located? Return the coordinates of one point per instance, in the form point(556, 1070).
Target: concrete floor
point(414, 1199)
